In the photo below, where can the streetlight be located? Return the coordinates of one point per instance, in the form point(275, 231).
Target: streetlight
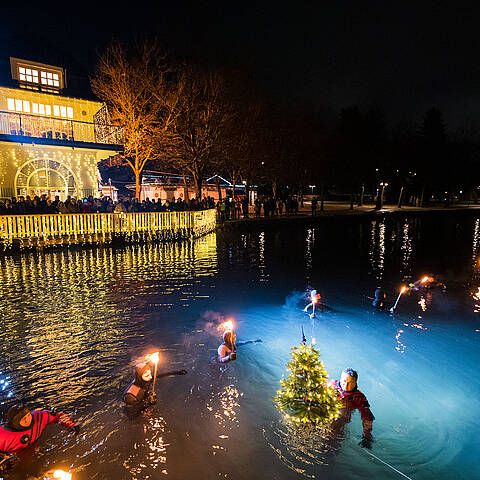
point(312, 187)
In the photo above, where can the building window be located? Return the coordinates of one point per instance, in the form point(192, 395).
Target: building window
point(61, 111)
point(49, 78)
point(11, 104)
point(41, 109)
point(28, 75)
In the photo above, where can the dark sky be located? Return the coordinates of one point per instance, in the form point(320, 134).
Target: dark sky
point(401, 59)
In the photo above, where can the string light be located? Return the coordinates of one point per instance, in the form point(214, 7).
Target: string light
point(46, 230)
point(305, 395)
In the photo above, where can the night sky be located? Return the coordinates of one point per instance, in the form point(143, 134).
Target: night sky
point(399, 59)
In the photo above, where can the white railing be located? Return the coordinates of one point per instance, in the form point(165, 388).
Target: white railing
point(12, 123)
point(44, 230)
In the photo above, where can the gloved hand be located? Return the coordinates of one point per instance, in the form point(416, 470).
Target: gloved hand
point(8, 462)
point(233, 356)
point(75, 429)
point(366, 442)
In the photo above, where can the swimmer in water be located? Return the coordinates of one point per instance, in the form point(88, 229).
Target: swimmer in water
point(315, 301)
point(353, 399)
point(379, 300)
point(137, 397)
point(227, 351)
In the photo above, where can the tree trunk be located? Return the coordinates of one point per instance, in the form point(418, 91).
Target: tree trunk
point(399, 204)
point(138, 185)
point(233, 187)
point(421, 197)
point(219, 189)
point(360, 202)
point(185, 188)
point(247, 191)
point(198, 186)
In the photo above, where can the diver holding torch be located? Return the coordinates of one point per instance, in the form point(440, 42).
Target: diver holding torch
point(227, 351)
point(315, 300)
point(138, 397)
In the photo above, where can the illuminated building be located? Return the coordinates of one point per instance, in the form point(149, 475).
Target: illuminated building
point(50, 143)
point(167, 186)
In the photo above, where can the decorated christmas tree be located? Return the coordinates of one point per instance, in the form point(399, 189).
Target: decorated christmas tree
point(305, 395)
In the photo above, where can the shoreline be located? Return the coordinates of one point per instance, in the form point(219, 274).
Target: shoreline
point(339, 212)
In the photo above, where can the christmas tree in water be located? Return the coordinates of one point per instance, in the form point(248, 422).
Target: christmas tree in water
point(305, 395)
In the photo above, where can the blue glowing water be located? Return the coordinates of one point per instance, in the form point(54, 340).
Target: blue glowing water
point(74, 323)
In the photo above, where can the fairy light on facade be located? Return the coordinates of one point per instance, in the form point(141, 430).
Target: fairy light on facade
point(70, 137)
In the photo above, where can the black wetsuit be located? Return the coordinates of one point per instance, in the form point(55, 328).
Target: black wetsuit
point(136, 396)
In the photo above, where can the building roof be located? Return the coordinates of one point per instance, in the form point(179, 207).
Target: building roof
point(35, 48)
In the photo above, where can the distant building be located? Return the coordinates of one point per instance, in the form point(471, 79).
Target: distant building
point(50, 143)
point(166, 186)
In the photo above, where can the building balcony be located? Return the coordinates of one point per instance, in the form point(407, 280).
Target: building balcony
point(21, 127)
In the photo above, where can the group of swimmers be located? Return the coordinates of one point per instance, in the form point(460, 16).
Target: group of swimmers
point(425, 283)
point(24, 427)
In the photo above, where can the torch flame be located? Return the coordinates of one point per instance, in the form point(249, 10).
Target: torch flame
point(403, 289)
point(426, 279)
point(226, 326)
point(154, 357)
point(62, 475)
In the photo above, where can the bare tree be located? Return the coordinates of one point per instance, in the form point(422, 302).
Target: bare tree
point(135, 87)
point(204, 112)
point(240, 152)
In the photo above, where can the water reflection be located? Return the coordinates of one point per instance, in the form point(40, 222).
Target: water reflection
point(406, 249)
point(69, 320)
point(264, 276)
point(377, 248)
point(310, 243)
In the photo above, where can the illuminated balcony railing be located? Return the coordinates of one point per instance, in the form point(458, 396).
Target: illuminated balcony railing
point(59, 129)
point(57, 229)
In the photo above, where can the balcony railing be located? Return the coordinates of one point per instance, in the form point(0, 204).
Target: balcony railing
point(59, 129)
point(25, 231)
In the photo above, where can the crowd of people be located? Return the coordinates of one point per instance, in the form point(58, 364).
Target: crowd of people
point(44, 205)
point(232, 209)
point(227, 208)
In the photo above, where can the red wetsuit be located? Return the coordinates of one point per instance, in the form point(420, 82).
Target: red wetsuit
point(355, 400)
point(12, 441)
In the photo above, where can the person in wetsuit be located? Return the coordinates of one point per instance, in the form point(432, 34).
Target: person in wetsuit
point(23, 428)
point(137, 397)
point(353, 399)
point(379, 300)
point(315, 298)
point(227, 350)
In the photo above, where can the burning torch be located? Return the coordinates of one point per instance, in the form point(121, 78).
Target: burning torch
point(402, 291)
point(228, 327)
point(58, 475)
point(154, 357)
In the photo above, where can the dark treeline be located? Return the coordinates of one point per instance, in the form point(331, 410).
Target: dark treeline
point(198, 122)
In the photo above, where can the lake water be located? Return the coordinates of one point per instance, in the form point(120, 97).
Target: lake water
point(74, 324)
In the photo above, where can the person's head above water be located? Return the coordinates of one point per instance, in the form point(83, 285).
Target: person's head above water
point(229, 338)
point(19, 417)
point(348, 380)
point(315, 296)
point(143, 372)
